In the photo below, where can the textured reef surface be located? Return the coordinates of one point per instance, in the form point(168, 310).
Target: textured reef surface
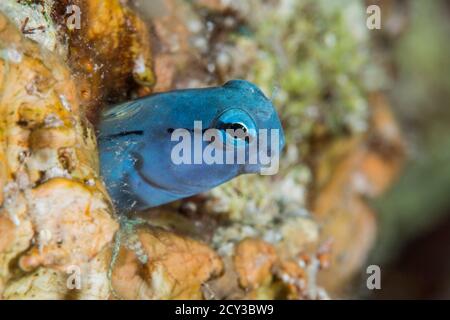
point(301, 234)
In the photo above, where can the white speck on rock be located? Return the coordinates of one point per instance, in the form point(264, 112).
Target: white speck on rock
point(223, 60)
point(200, 43)
point(272, 236)
point(65, 103)
point(11, 55)
point(195, 26)
point(53, 121)
point(56, 172)
point(139, 65)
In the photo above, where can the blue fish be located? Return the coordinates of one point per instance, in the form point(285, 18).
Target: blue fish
point(136, 142)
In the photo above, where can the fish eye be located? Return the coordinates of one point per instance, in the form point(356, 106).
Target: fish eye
point(238, 130)
point(237, 127)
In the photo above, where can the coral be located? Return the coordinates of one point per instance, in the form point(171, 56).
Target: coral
point(253, 261)
point(176, 269)
point(55, 211)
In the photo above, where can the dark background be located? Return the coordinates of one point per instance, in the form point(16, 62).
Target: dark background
point(413, 248)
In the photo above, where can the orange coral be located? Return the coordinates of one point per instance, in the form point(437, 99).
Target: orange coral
point(253, 260)
point(176, 267)
point(58, 213)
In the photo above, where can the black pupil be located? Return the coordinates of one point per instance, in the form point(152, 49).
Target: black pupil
point(235, 127)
